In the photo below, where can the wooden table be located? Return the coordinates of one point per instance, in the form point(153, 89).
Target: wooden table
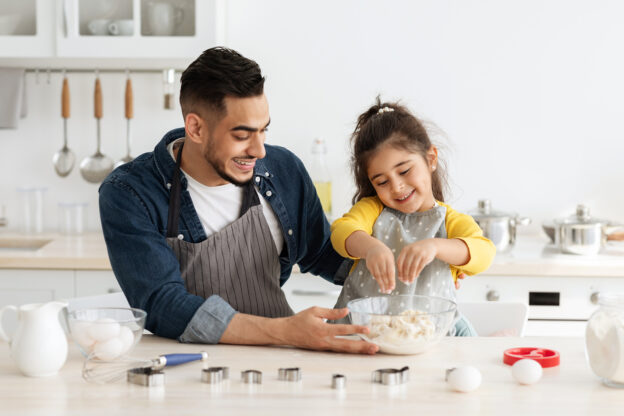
point(570, 388)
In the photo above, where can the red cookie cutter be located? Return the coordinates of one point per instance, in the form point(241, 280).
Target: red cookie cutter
point(545, 357)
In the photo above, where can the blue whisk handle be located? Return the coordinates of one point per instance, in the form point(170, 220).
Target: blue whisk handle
point(177, 359)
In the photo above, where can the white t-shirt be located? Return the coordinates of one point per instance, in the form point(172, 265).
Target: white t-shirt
point(219, 206)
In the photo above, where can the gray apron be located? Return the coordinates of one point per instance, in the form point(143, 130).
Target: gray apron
point(397, 230)
point(239, 263)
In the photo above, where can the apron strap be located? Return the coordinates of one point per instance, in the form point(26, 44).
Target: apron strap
point(174, 198)
point(250, 198)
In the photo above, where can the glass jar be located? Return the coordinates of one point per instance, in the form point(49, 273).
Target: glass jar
point(604, 339)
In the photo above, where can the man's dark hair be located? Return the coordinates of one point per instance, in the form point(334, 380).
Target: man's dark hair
point(218, 72)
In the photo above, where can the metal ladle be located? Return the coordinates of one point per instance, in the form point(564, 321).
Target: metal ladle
point(64, 159)
point(96, 168)
point(129, 113)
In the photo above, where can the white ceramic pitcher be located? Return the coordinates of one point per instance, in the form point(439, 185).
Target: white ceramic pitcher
point(39, 343)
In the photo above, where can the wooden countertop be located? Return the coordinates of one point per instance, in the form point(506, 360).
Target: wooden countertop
point(83, 252)
point(532, 256)
point(570, 388)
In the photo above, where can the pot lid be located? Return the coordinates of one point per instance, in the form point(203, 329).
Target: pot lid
point(581, 217)
point(484, 210)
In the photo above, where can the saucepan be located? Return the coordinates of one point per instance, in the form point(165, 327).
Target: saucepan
point(500, 227)
point(582, 234)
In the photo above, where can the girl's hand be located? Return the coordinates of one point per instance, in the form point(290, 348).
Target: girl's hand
point(413, 259)
point(459, 276)
point(380, 262)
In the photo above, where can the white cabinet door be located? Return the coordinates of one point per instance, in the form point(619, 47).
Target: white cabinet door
point(95, 282)
point(33, 32)
point(184, 28)
point(31, 286)
point(306, 290)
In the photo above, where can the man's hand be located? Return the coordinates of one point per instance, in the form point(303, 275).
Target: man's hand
point(414, 257)
point(380, 263)
point(308, 329)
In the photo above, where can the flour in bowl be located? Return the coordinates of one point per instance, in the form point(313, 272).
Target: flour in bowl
point(409, 326)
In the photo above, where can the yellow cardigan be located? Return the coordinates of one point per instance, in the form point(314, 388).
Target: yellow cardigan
point(362, 217)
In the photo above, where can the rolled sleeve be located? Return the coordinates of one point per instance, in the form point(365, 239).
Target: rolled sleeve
point(209, 322)
point(361, 217)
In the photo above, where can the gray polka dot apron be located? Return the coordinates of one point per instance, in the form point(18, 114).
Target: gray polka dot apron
point(240, 263)
point(397, 230)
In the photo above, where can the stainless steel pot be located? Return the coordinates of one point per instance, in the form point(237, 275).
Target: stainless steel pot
point(582, 234)
point(500, 227)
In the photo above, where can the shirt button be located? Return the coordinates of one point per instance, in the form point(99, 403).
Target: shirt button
point(257, 178)
point(180, 237)
point(266, 174)
point(269, 193)
point(290, 232)
point(168, 186)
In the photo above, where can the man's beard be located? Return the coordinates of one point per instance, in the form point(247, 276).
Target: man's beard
point(221, 171)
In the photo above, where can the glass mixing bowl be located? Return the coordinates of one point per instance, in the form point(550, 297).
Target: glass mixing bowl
point(404, 324)
point(106, 333)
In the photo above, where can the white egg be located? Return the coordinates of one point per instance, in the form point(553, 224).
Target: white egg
point(80, 334)
point(108, 350)
point(464, 379)
point(526, 371)
point(104, 329)
point(126, 337)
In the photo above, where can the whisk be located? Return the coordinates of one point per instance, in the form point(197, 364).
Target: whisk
point(101, 372)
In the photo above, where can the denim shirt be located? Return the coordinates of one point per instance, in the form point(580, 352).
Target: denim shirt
point(134, 203)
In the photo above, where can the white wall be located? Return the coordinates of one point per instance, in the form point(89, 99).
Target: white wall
point(527, 93)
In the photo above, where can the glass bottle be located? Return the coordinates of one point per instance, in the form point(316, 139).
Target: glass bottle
point(320, 175)
point(604, 339)
point(169, 88)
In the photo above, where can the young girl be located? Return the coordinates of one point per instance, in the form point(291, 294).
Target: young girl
point(399, 225)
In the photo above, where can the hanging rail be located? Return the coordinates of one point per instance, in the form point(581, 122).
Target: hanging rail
point(92, 70)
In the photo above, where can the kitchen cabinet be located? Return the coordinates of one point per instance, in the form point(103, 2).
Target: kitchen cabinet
point(29, 286)
point(95, 282)
point(119, 29)
point(31, 31)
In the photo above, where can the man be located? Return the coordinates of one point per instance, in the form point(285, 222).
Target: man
point(203, 231)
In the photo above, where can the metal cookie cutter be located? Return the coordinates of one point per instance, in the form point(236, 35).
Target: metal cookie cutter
point(289, 374)
point(390, 376)
point(251, 376)
point(339, 381)
point(405, 374)
point(213, 375)
point(146, 376)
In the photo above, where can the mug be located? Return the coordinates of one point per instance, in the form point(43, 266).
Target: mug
point(122, 27)
point(98, 27)
point(163, 18)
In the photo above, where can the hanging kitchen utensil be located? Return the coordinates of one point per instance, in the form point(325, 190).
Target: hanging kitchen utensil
point(129, 114)
point(64, 159)
point(96, 167)
point(98, 371)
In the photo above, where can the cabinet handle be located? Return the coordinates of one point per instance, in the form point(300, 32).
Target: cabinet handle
point(492, 296)
point(299, 292)
point(593, 298)
point(113, 290)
